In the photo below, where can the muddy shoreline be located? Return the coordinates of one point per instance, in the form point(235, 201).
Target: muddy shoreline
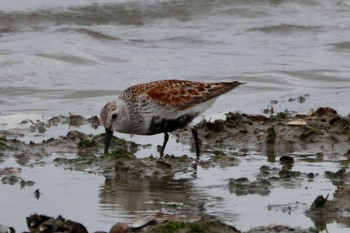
point(318, 136)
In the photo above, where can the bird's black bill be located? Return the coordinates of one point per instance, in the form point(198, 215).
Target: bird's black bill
point(108, 138)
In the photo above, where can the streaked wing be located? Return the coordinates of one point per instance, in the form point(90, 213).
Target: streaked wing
point(185, 94)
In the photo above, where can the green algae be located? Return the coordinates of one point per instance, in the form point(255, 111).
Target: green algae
point(271, 136)
point(87, 142)
point(308, 131)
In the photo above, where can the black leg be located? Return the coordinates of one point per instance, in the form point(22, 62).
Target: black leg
point(196, 141)
point(166, 138)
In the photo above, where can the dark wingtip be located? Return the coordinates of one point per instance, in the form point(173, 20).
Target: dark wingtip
point(239, 83)
point(234, 84)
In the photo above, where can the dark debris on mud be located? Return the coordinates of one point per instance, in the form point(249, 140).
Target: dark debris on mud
point(159, 223)
point(322, 130)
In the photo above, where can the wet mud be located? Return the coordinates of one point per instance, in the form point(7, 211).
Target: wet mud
point(283, 137)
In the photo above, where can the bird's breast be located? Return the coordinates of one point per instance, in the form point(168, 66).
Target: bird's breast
point(160, 125)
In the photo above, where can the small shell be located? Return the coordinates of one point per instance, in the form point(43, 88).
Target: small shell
point(12, 170)
point(161, 217)
point(142, 222)
point(297, 122)
point(278, 223)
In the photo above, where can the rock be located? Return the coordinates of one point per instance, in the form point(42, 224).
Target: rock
point(334, 120)
point(242, 186)
point(37, 194)
point(320, 201)
point(217, 126)
point(257, 117)
point(73, 134)
point(95, 122)
point(119, 228)
point(45, 224)
point(6, 229)
point(75, 119)
point(286, 160)
point(26, 183)
point(323, 111)
point(233, 116)
point(11, 179)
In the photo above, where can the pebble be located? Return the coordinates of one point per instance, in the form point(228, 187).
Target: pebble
point(119, 228)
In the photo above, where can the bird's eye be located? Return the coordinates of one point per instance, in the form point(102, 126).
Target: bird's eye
point(114, 116)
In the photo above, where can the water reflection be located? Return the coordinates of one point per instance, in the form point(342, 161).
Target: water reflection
point(209, 193)
point(273, 151)
point(135, 197)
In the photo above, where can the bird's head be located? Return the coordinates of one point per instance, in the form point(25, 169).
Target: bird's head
point(109, 119)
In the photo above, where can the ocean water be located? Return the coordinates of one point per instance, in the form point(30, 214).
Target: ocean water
point(61, 57)
point(73, 56)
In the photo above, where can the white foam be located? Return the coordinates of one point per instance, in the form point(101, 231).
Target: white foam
point(16, 121)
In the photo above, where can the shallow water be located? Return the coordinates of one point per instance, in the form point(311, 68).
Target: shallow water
point(60, 57)
point(99, 202)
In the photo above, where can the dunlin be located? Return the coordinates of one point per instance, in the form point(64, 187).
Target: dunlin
point(160, 107)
